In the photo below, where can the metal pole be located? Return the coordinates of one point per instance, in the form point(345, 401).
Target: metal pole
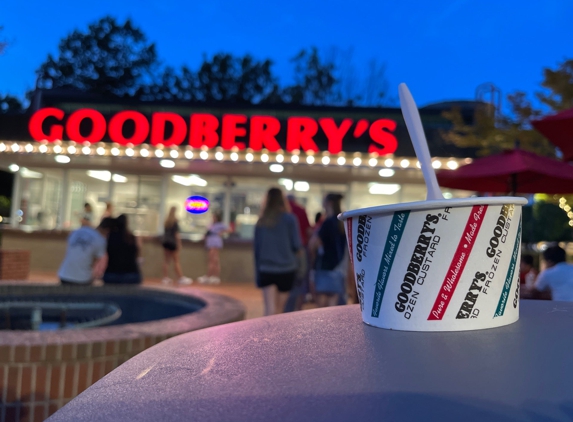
point(227, 202)
point(163, 203)
point(138, 198)
point(111, 188)
point(65, 201)
point(513, 184)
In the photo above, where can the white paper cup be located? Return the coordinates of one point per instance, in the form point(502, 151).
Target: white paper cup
point(446, 265)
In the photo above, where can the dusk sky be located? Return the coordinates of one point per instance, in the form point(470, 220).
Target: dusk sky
point(442, 49)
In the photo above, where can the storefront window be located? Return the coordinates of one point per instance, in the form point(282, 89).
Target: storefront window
point(248, 195)
point(382, 193)
point(373, 194)
point(87, 186)
point(180, 187)
point(246, 202)
point(142, 199)
point(244, 196)
point(40, 197)
point(139, 197)
point(311, 195)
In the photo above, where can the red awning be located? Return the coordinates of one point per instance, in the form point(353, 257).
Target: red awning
point(511, 171)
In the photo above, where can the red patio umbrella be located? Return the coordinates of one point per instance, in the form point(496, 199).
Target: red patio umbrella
point(511, 171)
point(558, 128)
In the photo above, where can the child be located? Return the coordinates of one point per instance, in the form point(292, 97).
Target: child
point(214, 243)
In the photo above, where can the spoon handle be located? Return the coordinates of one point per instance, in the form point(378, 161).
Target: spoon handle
point(416, 131)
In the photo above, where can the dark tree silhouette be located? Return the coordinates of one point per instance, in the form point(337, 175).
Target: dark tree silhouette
point(3, 44)
point(314, 80)
point(115, 59)
point(234, 79)
point(110, 59)
point(171, 86)
point(558, 85)
point(358, 85)
point(9, 104)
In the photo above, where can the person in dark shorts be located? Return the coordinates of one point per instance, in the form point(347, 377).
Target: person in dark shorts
point(277, 243)
point(171, 243)
point(124, 252)
point(330, 262)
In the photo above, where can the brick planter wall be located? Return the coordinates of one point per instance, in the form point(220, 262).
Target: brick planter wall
point(41, 371)
point(14, 264)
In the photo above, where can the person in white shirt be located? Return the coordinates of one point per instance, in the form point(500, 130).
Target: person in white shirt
point(214, 244)
point(557, 277)
point(85, 254)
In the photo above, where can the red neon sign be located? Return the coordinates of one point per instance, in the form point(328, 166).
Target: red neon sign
point(230, 131)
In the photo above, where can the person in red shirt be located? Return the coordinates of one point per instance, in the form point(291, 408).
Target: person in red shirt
point(294, 302)
point(302, 217)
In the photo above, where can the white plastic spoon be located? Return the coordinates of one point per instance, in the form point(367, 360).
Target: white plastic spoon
point(416, 131)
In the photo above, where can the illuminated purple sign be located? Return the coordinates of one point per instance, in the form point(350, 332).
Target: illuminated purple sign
point(196, 205)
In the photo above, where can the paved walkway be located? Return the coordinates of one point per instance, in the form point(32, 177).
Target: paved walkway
point(245, 292)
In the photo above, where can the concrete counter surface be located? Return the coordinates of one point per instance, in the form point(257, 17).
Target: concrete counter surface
point(326, 365)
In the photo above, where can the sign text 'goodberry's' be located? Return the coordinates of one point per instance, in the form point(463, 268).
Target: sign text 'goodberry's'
point(229, 131)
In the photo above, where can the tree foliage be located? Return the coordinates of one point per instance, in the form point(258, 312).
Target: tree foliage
point(4, 206)
point(171, 85)
point(9, 104)
point(545, 221)
point(490, 133)
point(234, 79)
point(314, 80)
point(558, 84)
point(115, 59)
point(110, 59)
point(3, 44)
point(368, 87)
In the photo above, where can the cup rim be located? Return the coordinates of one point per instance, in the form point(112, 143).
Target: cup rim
point(433, 204)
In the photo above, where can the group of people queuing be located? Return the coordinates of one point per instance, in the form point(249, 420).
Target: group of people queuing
point(294, 260)
point(171, 243)
point(112, 253)
point(554, 281)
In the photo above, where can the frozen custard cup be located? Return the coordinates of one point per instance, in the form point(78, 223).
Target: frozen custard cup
point(437, 265)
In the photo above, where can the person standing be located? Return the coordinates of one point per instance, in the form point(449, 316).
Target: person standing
point(171, 247)
point(84, 253)
point(294, 302)
point(214, 244)
point(527, 271)
point(318, 219)
point(277, 243)
point(108, 213)
point(557, 277)
point(88, 212)
point(124, 255)
point(108, 210)
point(329, 255)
